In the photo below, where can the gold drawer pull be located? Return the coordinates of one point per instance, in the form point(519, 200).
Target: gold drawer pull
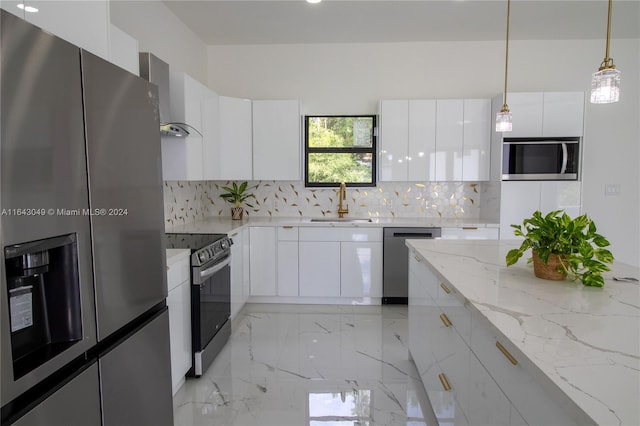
point(445, 288)
point(506, 353)
point(469, 227)
point(234, 234)
point(418, 258)
point(445, 320)
point(444, 381)
point(287, 227)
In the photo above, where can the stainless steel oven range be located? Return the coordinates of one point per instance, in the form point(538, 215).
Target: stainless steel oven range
point(210, 294)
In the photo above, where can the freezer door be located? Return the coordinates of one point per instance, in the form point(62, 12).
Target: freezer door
point(76, 403)
point(43, 174)
point(136, 378)
point(126, 196)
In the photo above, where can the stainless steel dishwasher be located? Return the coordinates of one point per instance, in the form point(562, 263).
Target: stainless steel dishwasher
point(395, 263)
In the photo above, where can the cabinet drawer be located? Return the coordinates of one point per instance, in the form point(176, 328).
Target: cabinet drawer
point(418, 267)
point(470, 233)
point(287, 233)
point(448, 299)
point(177, 272)
point(355, 234)
point(533, 402)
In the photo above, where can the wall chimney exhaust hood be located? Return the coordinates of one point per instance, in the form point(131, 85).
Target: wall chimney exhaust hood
point(156, 71)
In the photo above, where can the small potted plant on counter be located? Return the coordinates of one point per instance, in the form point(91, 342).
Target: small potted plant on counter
point(236, 194)
point(563, 246)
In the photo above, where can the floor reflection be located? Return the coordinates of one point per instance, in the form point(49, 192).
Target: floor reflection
point(310, 365)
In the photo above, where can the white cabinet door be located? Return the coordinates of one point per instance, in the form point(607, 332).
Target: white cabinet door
point(319, 272)
point(361, 269)
point(422, 140)
point(394, 140)
point(263, 260)
point(287, 268)
point(488, 405)
point(276, 140)
point(449, 137)
point(526, 109)
point(237, 277)
point(559, 195)
point(83, 23)
point(246, 266)
point(123, 50)
point(563, 114)
point(211, 160)
point(179, 304)
point(476, 147)
point(518, 201)
point(235, 139)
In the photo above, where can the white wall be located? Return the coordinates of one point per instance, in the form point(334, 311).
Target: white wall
point(160, 32)
point(352, 78)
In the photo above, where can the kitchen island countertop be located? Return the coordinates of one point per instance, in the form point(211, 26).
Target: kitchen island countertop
point(585, 340)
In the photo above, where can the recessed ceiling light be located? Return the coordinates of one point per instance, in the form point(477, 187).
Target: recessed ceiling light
point(27, 8)
point(313, 1)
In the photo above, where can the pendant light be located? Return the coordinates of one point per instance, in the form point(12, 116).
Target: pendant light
point(605, 84)
point(503, 118)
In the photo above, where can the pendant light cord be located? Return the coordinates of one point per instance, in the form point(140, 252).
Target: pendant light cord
point(608, 62)
point(506, 58)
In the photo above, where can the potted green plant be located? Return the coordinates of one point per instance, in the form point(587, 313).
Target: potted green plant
point(564, 245)
point(236, 194)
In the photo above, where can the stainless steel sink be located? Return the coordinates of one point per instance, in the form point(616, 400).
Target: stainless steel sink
point(343, 219)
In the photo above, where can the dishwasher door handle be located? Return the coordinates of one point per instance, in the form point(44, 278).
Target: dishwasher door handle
point(412, 235)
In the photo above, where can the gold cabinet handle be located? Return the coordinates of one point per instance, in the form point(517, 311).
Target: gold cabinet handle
point(444, 381)
point(445, 288)
point(418, 258)
point(287, 227)
point(234, 234)
point(506, 353)
point(469, 227)
point(445, 320)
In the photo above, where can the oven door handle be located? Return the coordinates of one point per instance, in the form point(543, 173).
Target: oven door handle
point(206, 273)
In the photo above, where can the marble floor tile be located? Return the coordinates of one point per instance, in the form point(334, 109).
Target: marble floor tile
point(310, 365)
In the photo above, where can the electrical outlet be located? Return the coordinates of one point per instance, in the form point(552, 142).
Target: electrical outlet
point(612, 189)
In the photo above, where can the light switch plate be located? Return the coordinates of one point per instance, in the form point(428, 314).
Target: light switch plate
point(612, 189)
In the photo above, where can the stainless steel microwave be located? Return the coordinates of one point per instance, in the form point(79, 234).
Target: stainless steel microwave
point(540, 158)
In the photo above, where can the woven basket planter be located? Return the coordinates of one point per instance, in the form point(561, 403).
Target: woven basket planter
point(552, 270)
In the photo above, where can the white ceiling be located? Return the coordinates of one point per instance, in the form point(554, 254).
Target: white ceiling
point(220, 22)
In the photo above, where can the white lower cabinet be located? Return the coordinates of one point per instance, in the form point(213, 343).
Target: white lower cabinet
point(468, 380)
point(287, 261)
point(319, 268)
point(262, 254)
point(340, 262)
point(179, 304)
point(360, 274)
point(238, 293)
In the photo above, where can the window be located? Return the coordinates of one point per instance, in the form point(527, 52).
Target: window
point(340, 149)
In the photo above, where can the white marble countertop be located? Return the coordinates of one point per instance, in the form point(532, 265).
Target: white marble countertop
point(224, 225)
point(585, 340)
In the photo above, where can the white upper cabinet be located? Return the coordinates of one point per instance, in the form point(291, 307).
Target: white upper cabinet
point(123, 50)
point(526, 110)
point(563, 114)
point(476, 147)
point(394, 140)
point(83, 23)
point(211, 160)
point(422, 140)
point(235, 139)
point(449, 137)
point(548, 114)
point(276, 140)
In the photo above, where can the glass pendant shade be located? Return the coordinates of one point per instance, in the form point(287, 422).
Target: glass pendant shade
point(605, 86)
point(503, 121)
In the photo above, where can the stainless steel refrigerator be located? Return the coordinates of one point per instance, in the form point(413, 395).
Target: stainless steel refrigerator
point(84, 324)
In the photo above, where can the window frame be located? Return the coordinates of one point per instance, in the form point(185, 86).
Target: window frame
point(331, 150)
